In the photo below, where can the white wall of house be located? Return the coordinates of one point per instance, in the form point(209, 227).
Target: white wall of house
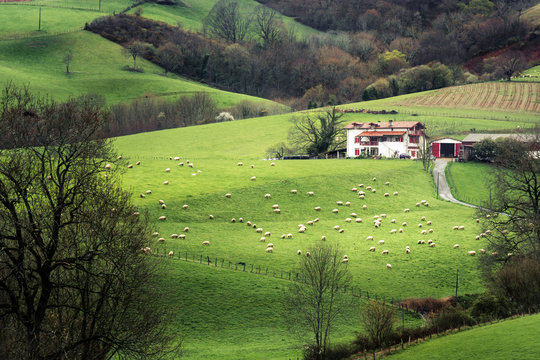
point(351, 146)
point(388, 149)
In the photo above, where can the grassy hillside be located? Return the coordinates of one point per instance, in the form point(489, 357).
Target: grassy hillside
point(469, 181)
point(98, 66)
point(532, 15)
point(510, 339)
point(191, 16)
point(208, 299)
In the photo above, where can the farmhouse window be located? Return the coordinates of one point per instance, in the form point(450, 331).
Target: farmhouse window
point(356, 152)
point(413, 139)
point(356, 140)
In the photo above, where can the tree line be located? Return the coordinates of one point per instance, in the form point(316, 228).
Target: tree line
point(255, 53)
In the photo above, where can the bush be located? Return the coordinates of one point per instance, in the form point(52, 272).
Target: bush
point(453, 317)
point(489, 307)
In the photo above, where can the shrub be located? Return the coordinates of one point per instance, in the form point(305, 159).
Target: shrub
point(453, 317)
point(379, 320)
point(489, 307)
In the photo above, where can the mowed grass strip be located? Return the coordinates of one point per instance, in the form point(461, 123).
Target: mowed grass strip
point(470, 181)
point(98, 67)
point(510, 339)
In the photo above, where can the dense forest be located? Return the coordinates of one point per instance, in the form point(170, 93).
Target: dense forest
point(369, 49)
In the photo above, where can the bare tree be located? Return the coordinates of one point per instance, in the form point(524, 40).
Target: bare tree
point(317, 300)
point(134, 50)
point(225, 21)
point(267, 25)
point(378, 320)
point(68, 58)
point(318, 132)
point(73, 280)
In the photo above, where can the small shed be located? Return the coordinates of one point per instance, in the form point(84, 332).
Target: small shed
point(446, 148)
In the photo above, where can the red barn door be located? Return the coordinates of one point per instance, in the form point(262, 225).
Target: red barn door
point(435, 147)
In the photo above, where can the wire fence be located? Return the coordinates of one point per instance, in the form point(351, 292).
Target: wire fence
point(289, 275)
point(34, 35)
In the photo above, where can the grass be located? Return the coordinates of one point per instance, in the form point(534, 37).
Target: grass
point(534, 72)
point(98, 66)
point(470, 181)
point(510, 339)
point(532, 15)
point(191, 16)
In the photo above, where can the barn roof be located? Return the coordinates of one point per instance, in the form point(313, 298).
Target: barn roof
point(447, 141)
point(379, 133)
point(474, 138)
point(384, 125)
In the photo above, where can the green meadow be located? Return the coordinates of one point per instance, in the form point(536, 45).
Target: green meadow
point(469, 181)
point(510, 339)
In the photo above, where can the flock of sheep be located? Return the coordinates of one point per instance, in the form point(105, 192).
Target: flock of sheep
point(362, 191)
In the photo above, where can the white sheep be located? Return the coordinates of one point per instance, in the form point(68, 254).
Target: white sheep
point(272, 164)
point(374, 190)
point(298, 252)
point(364, 207)
point(302, 230)
point(471, 253)
point(228, 195)
point(372, 248)
point(161, 240)
point(354, 189)
point(283, 236)
point(374, 179)
point(345, 260)
point(385, 252)
point(400, 230)
point(136, 213)
point(241, 220)
point(262, 239)
point(130, 166)
point(407, 251)
point(361, 193)
point(393, 231)
point(404, 224)
point(142, 195)
point(428, 222)
point(430, 231)
point(107, 166)
point(155, 233)
point(477, 237)
point(317, 208)
point(268, 233)
point(190, 165)
point(323, 238)
point(455, 227)
point(340, 203)
point(267, 196)
point(270, 245)
point(233, 220)
point(341, 231)
point(163, 206)
point(308, 254)
point(289, 236)
point(381, 242)
point(483, 251)
point(423, 218)
point(171, 253)
point(423, 232)
point(174, 236)
point(294, 191)
point(138, 163)
point(335, 211)
point(168, 170)
point(310, 222)
point(456, 246)
point(277, 211)
point(336, 227)
point(396, 193)
point(165, 183)
point(162, 218)
point(369, 238)
point(182, 236)
point(185, 206)
point(310, 193)
point(407, 210)
point(186, 229)
point(432, 244)
point(348, 203)
point(360, 185)
point(419, 225)
point(417, 204)
point(206, 243)
point(348, 220)
point(387, 183)
point(180, 164)
point(368, 187)
point(148, 192)
point(176, 158)
point(388, 266)
point(386, 194)
point(358, 220)
point(361, 196)
point(269, 250)
point(461, 227)
point(253, 178)
point(240, 164)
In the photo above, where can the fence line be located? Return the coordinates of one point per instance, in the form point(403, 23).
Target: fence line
point(107, 10)
point(267, 271)
point(37, 36)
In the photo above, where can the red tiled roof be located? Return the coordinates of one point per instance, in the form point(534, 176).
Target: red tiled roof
point(384, 125)
point(379, 133)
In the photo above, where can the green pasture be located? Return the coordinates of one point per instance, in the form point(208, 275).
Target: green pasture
point(230, 314)
point(532, 15)
point(98, 66)
point(469, 181)
point(510, 339)
point(191, 16)
point(534, 72)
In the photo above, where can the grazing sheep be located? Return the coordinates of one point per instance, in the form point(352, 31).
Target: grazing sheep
point(248, 223)
point(388, 266)
point(161, 240)
point(277, 211)
point(345, 260)
point(168, 170)
point(294, 191)
point(354, 215)
point(176, 158)
point(421, 242)
point(404, 224)
point(477, 221)
point(361, 196)
point(162, 218)
point(268, 233)
point(488, 232)
point(341, 231)
point(163, 206)
point(364, 207)
point(426, 204)
point(270, 245)
point(190, 165)
point(211, 217)
point(368, 187)
point(185, 206)
point(504, 232)
point(488, 216)
point(428, 222)
point(275, 206)
point(376, 216)
point(299, 252)
point(187, 161)
point(348, 203)
point(361, 193)
point(182, 236)
point(336, 227)
point(432, 244)
point(241, 220)
point(472, 252)
point(171, 253)
point(369, 238)
point(483, 251)
point(252, 166)
point(283, 236)
point(165, 183)
point(385, 252)
point(161, 202)
point(308, 254)
point(267, 196)
point(289, 236)
point(148, 192)
point(302, 230)
point(456, 246)
point(240, 164)
point(348, 220)
point(374, 190)
point(417, 204)
point(262, 239)
point(387, 183)
point(310, 222)
point(253, 178)
point(380, 242)
point(138, 163)
point(374, 179)
point(335, 211)
point(393, 231)
point(228, 195)
point(358, 220)
point(430, 230)
point(407, 210)
point(396, 193)
point(477, 237)
point(372, 248)
point(310, 193)
point(323, 238)
point(339, 203)
point(400, 230)
point(423, 218)
point(423, 232)
point(407, 251)
point(386, 194)
point(360, 185)
point(269, 250)
point(186, 229)
point(174, 236)
point(206, 243)
point(461, 227)
point(181, 164)
point(130, 166)
point(142, 196)
point(455, 227)
point(354, 189)
point(233, 220)
point(155, 233)
point(107, 166)
point(254, 226)
point(317, 208)
point(419, 225)
point(272, 164)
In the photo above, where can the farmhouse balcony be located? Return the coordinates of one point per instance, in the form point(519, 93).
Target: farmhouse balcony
point(416, 133)
point(369, 143)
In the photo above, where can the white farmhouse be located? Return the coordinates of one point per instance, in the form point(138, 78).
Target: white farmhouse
point(389, 139)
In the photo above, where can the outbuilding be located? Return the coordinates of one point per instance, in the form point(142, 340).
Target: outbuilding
point(446, 148)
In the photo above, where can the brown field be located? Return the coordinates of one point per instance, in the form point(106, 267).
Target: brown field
point(522, 97)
